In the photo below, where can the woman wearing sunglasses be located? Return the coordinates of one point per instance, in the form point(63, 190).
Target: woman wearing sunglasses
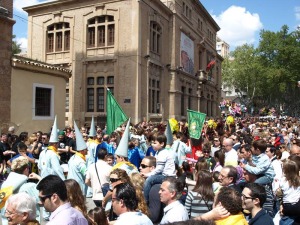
point(116, 177)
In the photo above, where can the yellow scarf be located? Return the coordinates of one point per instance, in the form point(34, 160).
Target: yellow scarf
point(80, 155)
point(238, 219)
point(93, 141)
point(120, 164)
point(53, 149)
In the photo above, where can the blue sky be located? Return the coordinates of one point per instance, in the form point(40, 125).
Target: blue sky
point(240, 20)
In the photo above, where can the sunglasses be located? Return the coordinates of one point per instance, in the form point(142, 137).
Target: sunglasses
point(43, 198)
point(113, 180)
point(144, 166)
point(205, 152)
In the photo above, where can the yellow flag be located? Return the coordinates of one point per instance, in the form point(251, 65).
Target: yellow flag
point(4, 195)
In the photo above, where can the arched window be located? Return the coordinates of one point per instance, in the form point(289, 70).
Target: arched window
point(101, 31)
point(58, 37)
point(155, 37)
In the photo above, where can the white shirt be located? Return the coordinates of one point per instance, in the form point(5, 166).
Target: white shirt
point(174, 212)
point(103, 171)
point(290, 194)
point(133, 218)
point(231, 158)
point(213, 150)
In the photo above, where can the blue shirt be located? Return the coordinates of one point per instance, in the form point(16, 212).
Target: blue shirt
point(108, 147)
point(150, 151)
point(261, 218)
point(135, 156)
point(262, 166)
point(18, 155)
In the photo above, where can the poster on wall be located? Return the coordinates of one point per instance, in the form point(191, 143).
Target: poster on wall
point(187, 54)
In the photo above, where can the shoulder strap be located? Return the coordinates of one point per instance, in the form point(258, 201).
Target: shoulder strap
point(206, 203)
point(98, 175)
point(177, 146)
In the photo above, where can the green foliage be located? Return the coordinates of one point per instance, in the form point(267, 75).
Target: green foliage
point(16, 47)
point(268, 74)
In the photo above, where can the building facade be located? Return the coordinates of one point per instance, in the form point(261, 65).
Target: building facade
point(152, 55)
point(38, 93)
point(222, 48)
point(6, 24)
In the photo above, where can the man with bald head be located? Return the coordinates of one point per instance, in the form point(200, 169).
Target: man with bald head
point(231, 157)
point(295, 150)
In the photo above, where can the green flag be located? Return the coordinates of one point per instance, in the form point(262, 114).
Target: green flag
point(115, 114)
point(196, 121)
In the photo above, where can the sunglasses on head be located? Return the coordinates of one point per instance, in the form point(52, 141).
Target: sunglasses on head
point(144, 166)
point(113, 180)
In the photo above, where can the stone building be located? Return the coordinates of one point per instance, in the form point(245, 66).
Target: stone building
point(30, 91)
point(6, 24)
point(37, 94)
point(152, 54)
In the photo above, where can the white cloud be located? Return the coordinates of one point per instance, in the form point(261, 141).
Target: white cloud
point(238, 26)
point(297, 12)
point(19, 4)
point(23, 42)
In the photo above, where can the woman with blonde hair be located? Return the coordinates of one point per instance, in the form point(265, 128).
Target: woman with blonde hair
point(75, 196)
point(138, 183)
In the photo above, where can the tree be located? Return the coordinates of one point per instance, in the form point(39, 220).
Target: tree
point(267, 75)
point(16, 47)
point(243, 73)
point(280, 54)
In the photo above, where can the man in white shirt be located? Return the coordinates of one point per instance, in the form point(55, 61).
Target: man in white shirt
point(231, 157)
point(124, 203)
point(170, 191)
point(99, 171)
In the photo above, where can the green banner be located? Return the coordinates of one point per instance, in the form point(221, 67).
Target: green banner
point(196, 121)
point(115, 114)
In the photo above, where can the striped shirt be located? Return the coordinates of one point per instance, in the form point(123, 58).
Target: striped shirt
point(196, 205)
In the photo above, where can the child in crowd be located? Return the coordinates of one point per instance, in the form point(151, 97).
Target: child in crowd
point(165, 166)
point(260, 164)
point(216, 183)
point(109, 158)
point(22, 149)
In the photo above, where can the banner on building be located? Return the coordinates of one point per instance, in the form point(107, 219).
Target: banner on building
point(187, 54)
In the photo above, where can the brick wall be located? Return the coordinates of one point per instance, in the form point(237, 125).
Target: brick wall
point(6, 24)
point(8, 4)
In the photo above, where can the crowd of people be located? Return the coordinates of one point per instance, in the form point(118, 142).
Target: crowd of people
point(240, 171)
